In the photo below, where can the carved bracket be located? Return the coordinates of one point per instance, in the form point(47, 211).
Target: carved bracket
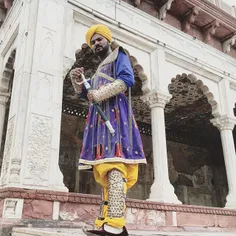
point(8, 3)
point(228, 43)
point(189, 18)
point(210, 30)
point(137, 3)
point(164, 9)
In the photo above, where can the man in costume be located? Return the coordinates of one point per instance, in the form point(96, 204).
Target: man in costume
point(114, 158)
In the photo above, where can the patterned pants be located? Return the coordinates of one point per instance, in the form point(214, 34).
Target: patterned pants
point(115, 184)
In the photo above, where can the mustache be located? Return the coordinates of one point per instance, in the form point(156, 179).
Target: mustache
point(98, 46)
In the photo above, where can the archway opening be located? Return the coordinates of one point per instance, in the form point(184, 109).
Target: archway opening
point(7, 83)
point(196, 162)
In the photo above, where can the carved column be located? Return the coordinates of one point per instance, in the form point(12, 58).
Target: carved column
point(161, 190)
point(3, 100)
point(226, 124)
point(33, 135)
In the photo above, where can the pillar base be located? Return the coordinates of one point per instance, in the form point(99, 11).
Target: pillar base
point(163, 193)
point(231, 201)
point(55, 183)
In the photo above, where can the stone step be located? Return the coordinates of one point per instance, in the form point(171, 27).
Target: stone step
point(79, 232)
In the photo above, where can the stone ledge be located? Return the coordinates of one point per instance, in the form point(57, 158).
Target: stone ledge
point(95, 200)
point(79, 232)
point(71, 210)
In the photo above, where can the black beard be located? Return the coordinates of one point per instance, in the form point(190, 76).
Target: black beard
point(103, 53)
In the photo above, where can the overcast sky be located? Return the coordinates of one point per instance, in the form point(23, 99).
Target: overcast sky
point(230, 2)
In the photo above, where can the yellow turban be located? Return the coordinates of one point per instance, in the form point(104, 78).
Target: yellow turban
point(98, 29)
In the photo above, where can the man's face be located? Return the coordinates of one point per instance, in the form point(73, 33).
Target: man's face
point(99, 44)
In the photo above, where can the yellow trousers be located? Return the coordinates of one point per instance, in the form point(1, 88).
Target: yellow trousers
point(129, 172)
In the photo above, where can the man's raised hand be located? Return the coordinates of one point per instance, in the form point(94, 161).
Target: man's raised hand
point(76, 78)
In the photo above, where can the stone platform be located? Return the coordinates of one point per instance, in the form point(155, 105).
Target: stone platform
point(32, 209)
point(78, 232)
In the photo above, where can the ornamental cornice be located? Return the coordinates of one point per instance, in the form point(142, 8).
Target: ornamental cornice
point(215, 11)
point(46, 195)
point(146, 30)
point(224, 122)
point(156, 98)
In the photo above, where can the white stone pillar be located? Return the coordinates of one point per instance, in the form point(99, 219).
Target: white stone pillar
point(33, 135)
point(226, 124)
point(161, 189)
point(3, 100)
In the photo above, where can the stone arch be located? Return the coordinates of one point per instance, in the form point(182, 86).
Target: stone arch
point(8, 72)
point(205, 90)
point(207, 93)
point(194, 143)
point(5, 96)
point(73, 116)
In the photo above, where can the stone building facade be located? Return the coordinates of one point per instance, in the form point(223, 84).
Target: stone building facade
point(183, 55)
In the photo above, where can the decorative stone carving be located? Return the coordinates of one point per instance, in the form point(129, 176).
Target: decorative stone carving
point(189, 18)
point(44, 85)
point(224, 122)
point(39, 151)
point(210, 30)
point(156, 99)
point(187, 91)
point(7, 152)
point(47, 47)
point(15, 170)
point(164, 9)
point(13, 208)
point(228, 43)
